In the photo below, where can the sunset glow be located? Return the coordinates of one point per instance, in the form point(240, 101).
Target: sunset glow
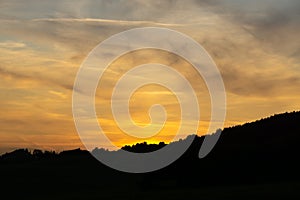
point(43, 44)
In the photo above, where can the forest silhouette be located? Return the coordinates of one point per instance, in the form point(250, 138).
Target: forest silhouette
point(253, 160)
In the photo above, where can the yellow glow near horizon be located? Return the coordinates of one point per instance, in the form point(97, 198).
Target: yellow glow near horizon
point(147, 96)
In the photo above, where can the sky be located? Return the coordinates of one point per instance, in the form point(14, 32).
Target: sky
point(255, 45)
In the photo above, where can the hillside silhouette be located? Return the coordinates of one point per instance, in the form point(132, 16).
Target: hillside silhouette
point(253, 160)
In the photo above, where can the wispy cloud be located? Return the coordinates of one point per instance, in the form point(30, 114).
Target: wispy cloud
point(107, 21)
point(12, 45)
point(34, 79)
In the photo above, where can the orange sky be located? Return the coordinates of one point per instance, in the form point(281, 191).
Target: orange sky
point(255, 46)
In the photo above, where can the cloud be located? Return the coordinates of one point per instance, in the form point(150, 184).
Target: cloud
point(260, 84)
point(35, 80)
point(59, 94)
point(274, 23)
point(12, 45)
point(106, 21)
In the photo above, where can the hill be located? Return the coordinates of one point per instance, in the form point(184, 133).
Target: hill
point(254, 160)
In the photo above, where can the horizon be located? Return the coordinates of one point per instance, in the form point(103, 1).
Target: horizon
point(83, 149)
point(255, 46)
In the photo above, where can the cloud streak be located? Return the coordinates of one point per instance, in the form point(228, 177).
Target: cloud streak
point(12, 45)
point(38, 80)
point(107, 21)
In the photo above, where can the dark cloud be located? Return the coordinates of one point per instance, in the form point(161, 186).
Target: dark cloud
point(242, 82)
point(274, 23)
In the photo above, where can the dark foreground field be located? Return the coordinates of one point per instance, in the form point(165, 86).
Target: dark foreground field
point(257, 160)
